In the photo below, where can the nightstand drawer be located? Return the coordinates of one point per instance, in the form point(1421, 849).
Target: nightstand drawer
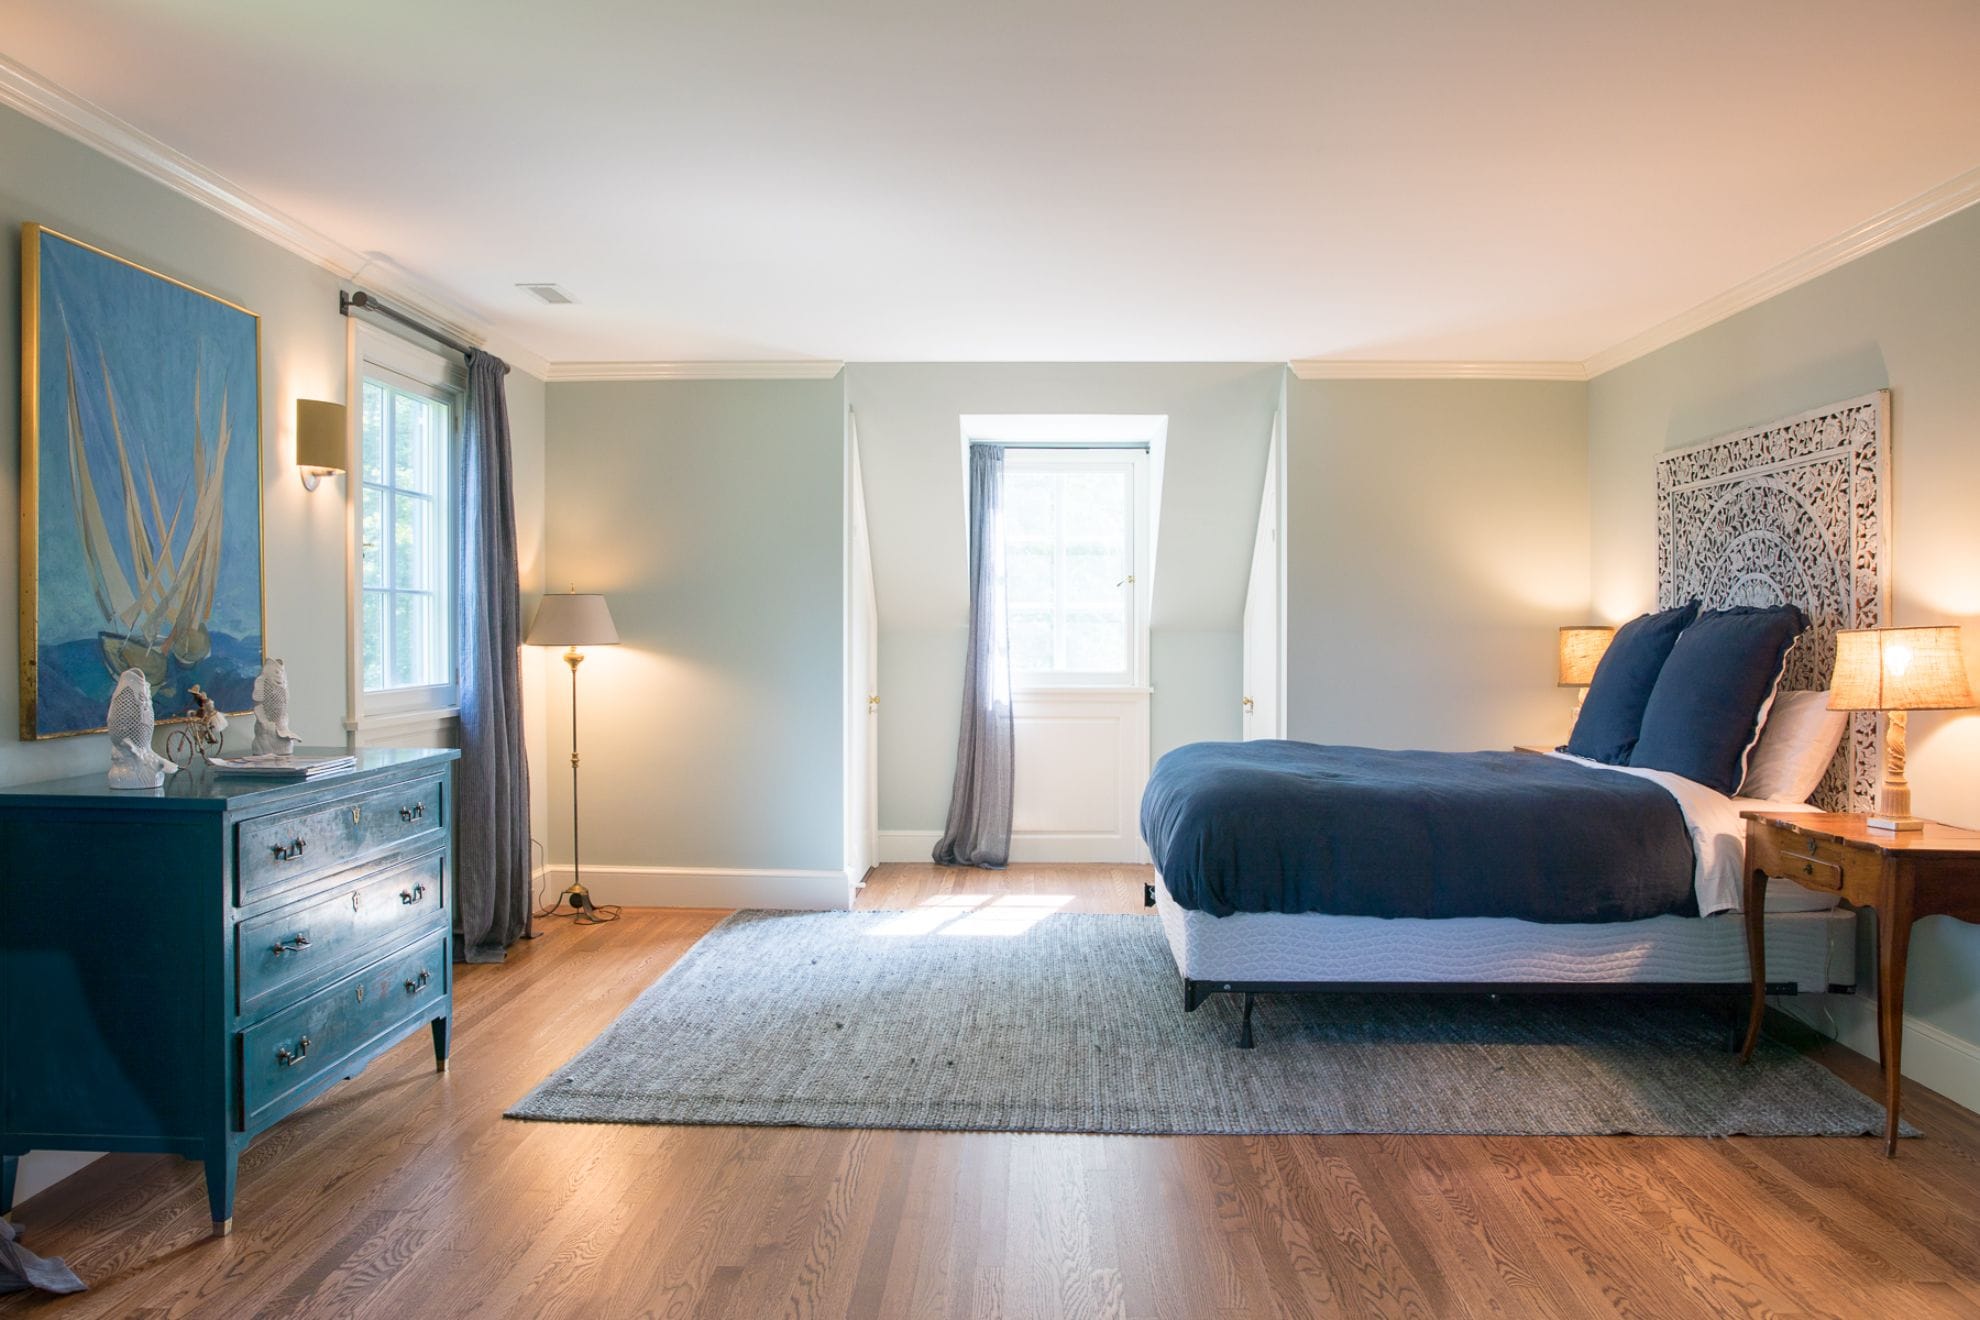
point(320, 1035)
point(334, 932)
point(1815, 863)
point(280, 852)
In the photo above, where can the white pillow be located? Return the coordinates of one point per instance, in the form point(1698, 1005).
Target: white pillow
point(1796, 745)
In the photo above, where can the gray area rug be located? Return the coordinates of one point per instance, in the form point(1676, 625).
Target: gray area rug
point(1074, 1023)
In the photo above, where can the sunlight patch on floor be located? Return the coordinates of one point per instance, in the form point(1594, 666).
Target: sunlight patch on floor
point(974, 915)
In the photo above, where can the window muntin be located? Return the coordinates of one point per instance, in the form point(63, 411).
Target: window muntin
point(1069, 533)
point(405, 556)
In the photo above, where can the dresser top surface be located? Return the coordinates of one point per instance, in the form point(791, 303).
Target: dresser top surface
point(206, 791)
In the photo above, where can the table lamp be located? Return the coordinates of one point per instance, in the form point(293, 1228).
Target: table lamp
point(1582, 648)
point(572, 620)
point(1898, 670)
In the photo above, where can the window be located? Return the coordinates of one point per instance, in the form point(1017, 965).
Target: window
point(405, 541)
point(1071, 555)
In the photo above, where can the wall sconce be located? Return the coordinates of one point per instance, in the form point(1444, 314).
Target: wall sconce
point(322, 440)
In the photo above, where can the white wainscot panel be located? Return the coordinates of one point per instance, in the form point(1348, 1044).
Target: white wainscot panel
point(1081, 764)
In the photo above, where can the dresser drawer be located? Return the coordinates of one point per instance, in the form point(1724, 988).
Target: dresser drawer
point(334, 932)
point(320, 1035)
point(276, 853)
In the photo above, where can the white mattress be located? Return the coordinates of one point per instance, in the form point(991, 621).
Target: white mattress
point(1813, 950)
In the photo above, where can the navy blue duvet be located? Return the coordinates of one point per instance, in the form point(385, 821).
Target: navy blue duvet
point(1354, 831)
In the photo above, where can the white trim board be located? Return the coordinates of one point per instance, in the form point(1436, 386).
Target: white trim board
point(708, 887)
point(1350, 369)
point(1932, 1056)
point(794, 369)
point(1880, 230)
point(90, 124)
point(1026, 849)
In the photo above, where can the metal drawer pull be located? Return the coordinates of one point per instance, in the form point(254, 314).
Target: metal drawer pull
point(290, 851)
point(418, 983)
point(412, 813)
point(413, 895)
point(296, 944)
point(287, 1059)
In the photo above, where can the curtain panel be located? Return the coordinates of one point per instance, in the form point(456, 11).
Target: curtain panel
point(979, 826)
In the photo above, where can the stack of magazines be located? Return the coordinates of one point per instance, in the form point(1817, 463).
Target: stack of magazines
point(283, 765)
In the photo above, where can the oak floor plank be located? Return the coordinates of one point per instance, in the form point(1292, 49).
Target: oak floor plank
point(405, 1193)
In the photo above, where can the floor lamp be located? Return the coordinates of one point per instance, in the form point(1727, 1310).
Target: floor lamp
point(572, 620)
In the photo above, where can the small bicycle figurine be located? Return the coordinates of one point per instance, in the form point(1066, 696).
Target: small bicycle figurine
point(199, 739)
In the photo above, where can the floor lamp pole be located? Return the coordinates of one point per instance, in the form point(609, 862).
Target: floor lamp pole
point(577, 892)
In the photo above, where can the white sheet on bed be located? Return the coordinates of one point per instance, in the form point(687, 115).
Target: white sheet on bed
point(1718, 837)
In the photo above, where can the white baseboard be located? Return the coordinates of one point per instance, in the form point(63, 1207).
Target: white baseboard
point(1932, 1056)
point(42, 1169)
point(1030, 849)
point(708, 887)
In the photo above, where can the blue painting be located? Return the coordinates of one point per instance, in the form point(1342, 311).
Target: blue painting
point(141, 468)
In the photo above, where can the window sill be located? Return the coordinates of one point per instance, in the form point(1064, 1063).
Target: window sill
point(1111, 691)
point(401, 720)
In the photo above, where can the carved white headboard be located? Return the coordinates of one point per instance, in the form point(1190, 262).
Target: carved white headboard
point(1795, 511)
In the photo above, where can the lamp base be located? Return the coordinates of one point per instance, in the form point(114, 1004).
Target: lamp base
point(1897, 824)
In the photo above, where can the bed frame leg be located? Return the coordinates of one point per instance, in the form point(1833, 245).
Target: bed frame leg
point(1737, 1007)
point(1244, 1033)
point(1191, 995)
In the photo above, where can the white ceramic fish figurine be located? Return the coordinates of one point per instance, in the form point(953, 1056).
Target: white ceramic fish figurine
point(271, 710)
point(132, 762)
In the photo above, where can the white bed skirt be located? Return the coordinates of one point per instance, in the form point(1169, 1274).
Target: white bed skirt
point(1812, 950)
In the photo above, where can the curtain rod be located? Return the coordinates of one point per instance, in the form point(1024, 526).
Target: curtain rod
point(365, 302)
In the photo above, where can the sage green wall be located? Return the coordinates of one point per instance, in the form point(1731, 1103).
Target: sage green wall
point(1436, 536)
point(1906, 317)
point(909, 418)
point(710, 513)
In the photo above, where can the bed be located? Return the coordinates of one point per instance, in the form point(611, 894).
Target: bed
point(1290, 867)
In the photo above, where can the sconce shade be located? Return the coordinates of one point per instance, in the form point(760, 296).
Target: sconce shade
point(1899, 669)
point(572, 619)
point(320, 435)
point(1582, 648)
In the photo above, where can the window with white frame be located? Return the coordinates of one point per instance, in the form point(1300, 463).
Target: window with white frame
point(1072, 530)
point(407, 469)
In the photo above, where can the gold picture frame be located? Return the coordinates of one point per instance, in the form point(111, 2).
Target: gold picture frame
point(163, 572)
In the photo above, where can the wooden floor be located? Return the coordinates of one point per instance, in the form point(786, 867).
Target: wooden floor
point(405, 1193)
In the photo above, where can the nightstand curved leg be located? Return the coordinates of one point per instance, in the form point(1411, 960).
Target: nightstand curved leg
point(1893, 947)
point(1755, 902)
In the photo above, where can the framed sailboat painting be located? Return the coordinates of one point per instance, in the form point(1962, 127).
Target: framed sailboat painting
point(140, 488)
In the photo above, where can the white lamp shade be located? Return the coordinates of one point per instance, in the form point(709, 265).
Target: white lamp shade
point(1899, 669)
point(572, 619)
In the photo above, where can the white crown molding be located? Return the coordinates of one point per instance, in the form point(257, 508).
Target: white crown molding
point(794, 369)
point(88, 123)
point(1900, 221)
point(1350, 369)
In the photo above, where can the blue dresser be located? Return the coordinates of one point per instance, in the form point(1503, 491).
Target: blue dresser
point(180, 968)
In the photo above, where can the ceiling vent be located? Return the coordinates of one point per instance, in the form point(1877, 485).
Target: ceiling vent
point(550, 293)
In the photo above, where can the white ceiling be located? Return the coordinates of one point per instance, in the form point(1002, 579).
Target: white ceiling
point(1015, 180)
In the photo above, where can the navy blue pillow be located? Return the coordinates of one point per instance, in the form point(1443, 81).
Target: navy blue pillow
point(1612, 713)
point(1704, 713)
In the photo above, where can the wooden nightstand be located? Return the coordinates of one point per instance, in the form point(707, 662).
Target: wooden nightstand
point(1537, 749)
point(1902, 875)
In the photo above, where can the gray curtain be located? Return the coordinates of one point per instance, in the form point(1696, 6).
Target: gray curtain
point(979, 829)
point(491, 798)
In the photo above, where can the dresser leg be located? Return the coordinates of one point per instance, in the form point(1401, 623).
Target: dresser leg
point(440, 1027)
point(221, 1170)
point(10, 1168)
